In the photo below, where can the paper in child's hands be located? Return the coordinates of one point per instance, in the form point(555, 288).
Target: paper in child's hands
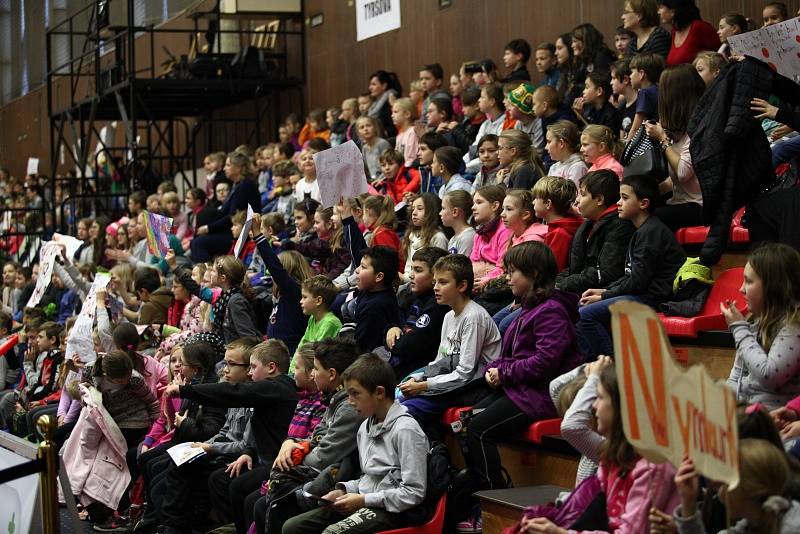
point(157, 229)
point(778, 46)
point(33, 166)
point(240, 241)
point(340, 173)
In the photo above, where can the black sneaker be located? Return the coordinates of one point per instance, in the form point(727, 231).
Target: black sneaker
point(112, 524)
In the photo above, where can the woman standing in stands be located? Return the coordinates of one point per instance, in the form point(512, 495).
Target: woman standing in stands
point(680, 87)
point(591, 53)
point(767, 364)
point(641, 18)
point(690, 33)
point(567, 92)
point(215, 238)
point(382, 87)
point(730, 24)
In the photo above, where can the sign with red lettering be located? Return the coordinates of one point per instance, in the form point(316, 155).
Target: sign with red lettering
point(669, 412)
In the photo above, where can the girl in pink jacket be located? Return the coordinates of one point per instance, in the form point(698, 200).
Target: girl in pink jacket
point(491, 235)
point(631, 484)
point(519, 218)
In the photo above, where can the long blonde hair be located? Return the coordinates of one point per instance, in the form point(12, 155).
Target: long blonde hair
point(778, 267)
point(526, 155)
point(382, 206)
point(297, 267)
point(763, 476)
point(600, 134)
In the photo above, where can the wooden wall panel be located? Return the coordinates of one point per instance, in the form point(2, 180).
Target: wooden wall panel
point(338, 66)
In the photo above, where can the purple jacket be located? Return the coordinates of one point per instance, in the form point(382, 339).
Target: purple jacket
point(537, 347)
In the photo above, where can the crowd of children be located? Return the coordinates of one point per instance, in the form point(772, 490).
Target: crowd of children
point(311, 369)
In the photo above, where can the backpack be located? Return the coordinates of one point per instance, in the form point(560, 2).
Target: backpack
point(440, 476)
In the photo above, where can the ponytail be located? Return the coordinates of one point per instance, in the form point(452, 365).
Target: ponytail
point(598, 133)
point(126, 339)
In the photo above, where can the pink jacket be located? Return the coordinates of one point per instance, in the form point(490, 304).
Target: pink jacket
point(155, 375)
point(607, 161)
point(490, 248)
point(794, 404)
point(94, 454)
point(534, 232)
point(652, 486)
point(161, 431)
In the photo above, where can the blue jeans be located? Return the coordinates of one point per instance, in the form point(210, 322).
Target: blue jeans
point(594, 326)
point(505, 317)
point(786, 150)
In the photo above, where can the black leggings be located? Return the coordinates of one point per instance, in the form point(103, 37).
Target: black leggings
point(500, 419)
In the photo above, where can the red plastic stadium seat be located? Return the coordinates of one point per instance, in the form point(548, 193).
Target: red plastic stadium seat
point(434, 526)
point(739, 234)
point(451, 415)
point(540, 429)
point(726, 287)
point(693, 235)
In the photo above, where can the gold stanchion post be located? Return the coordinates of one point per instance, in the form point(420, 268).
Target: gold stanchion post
point(49, 481)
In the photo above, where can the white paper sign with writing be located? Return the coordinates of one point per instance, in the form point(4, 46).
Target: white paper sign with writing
point(340, 173)
point(778, 46)
point(240, 241)
point(71, 243)
point(50, 250)
point(33, 166)
point(374, 17)
point(669, 412)
point(79, 340)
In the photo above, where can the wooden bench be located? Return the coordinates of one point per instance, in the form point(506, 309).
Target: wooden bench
point(501, 509)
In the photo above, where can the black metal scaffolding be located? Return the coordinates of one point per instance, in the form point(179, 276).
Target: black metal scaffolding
point(170, 114)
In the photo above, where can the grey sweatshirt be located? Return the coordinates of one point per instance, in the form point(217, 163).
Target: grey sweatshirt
point(335, 436)
point(769, 377)
point(694, 523)
point(394, 462)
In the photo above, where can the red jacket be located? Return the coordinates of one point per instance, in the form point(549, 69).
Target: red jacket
point(559, 238)
point(406, 181)
point(385, 236)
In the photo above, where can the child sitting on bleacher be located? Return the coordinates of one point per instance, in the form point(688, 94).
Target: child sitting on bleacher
point(631, 484)
point(552, 202)
point(392, 452)
point(597, 255)
point(414, 342)
point(469, 342)
point(767, 364)
point(651, 263)
point(539, 345)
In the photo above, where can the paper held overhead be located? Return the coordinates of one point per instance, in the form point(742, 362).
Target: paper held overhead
point(340, 173)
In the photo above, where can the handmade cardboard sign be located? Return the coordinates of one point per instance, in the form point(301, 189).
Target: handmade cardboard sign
point(778, 46)
point(157, 228)
point(340, 173)
point(669, 412)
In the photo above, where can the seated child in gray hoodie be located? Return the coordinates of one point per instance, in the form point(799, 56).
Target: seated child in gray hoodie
point(392, 451)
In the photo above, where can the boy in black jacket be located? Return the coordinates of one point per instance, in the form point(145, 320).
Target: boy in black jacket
point(414, 342)
point(651, 263)
point(597, 255)
point(375, 306)
point(272, 396)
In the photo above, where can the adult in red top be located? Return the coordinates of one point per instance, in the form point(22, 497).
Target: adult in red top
point(690, 34)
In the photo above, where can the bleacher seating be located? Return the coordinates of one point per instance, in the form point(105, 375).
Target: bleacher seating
point(534, 433)
point(434, 526)
point(726, 287)
point(696, 235)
